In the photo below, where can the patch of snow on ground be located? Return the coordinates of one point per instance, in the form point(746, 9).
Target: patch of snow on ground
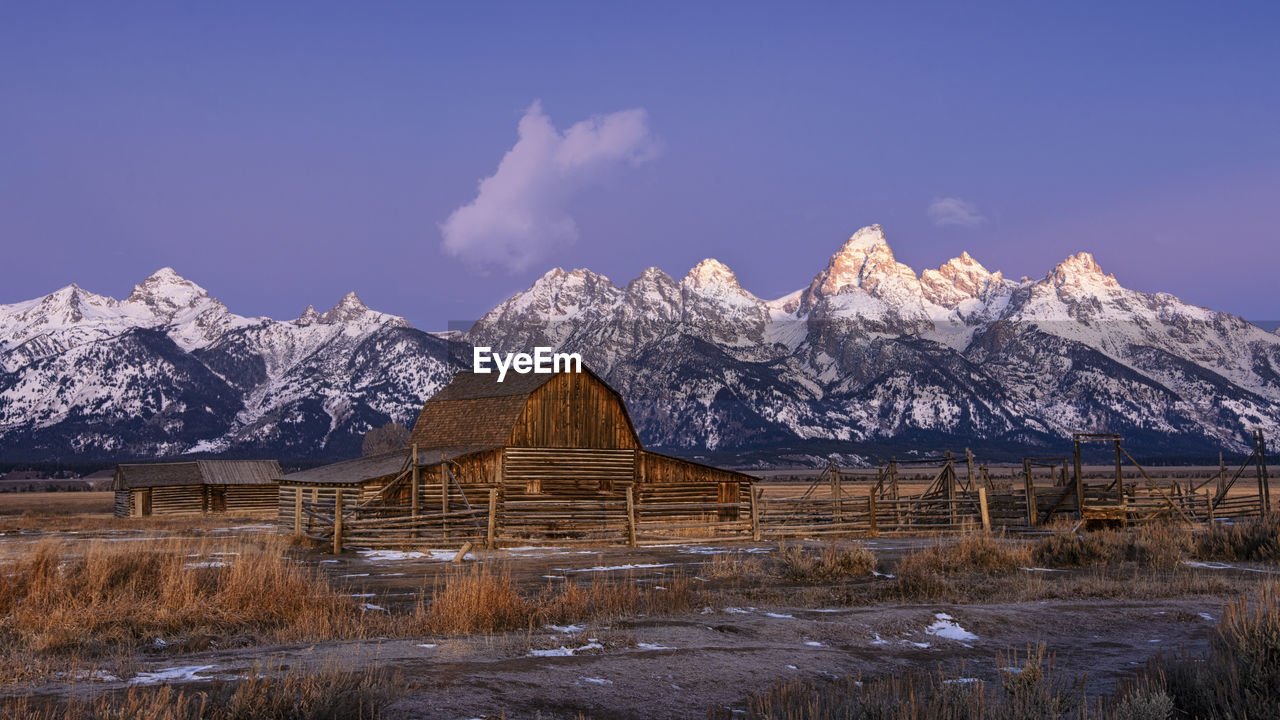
point(563, 651)
point(567, 628)
point(1040, 569)
point(371, 606)
point(429, 646)
point(186, 673)
point(961, 681)
point(1207, 616)
point(608, 568)
point(597, 681)
point(652, 646)
point(779, 615)
point(945, 626)
point(813, 643)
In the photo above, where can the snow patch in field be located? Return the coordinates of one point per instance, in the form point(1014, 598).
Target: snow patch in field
point(563, 651)
point(945, 626)
point(652, 646)
point(780, 616)
point(371, 606)
point(596, 681)
point(429, 646)
point(186, 673)
point(610, 568)
point(566, 628)
point(738, 611)
point(1040, 569)
point(398, 555)
point(813, 643)
point(961, 681)
point(206, 564)
point(1207, 616)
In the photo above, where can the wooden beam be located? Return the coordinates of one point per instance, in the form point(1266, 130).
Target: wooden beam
point(1030, 492)
point(631, 516)
point(1079, 478)
point(871, 513)
point(337, 521)
point(491, 540)
point(297, 510)
point(982, 508)
point(755, 513)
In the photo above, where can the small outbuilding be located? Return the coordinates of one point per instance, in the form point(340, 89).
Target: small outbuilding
point(200, 487)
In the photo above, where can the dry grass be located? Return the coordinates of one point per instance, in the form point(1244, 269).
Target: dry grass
point(103, 595)
point(484, 599)
point(928, 573)
point(828, 563)
point(733, 566)
point(1158, 547)
point(1036, 691)
point(1239, 676)
point(1252, 540)
point(269, 693)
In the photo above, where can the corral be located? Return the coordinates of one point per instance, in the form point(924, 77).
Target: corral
point(202, 487)
point(554, 458)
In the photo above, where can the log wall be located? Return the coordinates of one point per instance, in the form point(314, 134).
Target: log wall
point(574, 410)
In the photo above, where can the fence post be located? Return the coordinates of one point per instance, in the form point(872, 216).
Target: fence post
point(337, 520)
point(631, 516)
point(755, 515)
point(297, 511)
point(491, 540)
point(1032, 510)
point(1079, 477)
point(871, 513)
point(982, 506)
point(835, 492)
point(1208, 498)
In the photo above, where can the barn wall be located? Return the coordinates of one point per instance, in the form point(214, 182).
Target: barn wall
point(251, 499)
point(657, 469)
point(567, 473)
point(177, 500)
point(122, 503)
point(573, 410)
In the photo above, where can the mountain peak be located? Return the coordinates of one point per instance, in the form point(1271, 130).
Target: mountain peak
point(711, 272)
point(308, 316)
point(1079, 269)
point(864, 261)
point(166, 292)
point(864, 240)
point(348, 308)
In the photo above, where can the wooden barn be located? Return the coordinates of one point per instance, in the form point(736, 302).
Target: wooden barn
point(201, 487)
point(535, 456)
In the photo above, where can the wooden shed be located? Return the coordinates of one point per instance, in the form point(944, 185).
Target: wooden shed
point(548, 445)
point(201, 487)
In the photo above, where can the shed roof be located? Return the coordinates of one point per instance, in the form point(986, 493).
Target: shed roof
point(476, 409)
point(372, 467)
point(198, 472)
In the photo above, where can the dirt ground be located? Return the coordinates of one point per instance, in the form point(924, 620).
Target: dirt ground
point(671, 666)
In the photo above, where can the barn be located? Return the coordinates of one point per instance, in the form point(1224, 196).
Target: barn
point(200, 487)
point(535, 456)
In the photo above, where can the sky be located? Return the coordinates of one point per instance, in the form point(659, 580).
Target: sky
point(439, 157)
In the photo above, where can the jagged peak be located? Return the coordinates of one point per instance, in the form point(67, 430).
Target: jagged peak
point(348, 308)
point(1079, 268)
point(651, 276)
point(865, 240)
point(710, 272)
point(308, 317)
point(166, 291)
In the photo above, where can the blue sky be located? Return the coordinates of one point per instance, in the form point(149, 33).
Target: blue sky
point(282, 154)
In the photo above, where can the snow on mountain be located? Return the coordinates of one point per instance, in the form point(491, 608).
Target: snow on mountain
point(868, 358)
point(170, 369)
point(870, 351)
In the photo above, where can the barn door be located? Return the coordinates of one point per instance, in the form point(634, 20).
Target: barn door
point(144, 502)
point(217, 499)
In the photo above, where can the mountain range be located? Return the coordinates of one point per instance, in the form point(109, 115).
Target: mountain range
point(870, 358)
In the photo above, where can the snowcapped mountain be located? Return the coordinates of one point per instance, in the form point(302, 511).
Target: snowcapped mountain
point(870, 358)
point(170, 369)
point(871, 354)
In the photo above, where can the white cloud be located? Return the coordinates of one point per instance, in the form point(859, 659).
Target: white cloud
point(954, 211)
point(520, 212)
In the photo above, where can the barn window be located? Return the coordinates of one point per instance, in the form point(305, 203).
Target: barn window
point(533, 486)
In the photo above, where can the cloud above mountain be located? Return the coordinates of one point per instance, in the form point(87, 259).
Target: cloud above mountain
point(954, 211)
point(521, 212)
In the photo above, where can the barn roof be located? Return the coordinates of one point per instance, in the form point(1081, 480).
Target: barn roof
point(198, 472)
point(372, 467)
point(476, 409)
